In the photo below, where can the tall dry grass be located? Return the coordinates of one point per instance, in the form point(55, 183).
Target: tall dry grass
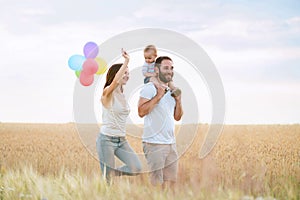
point(49, 161)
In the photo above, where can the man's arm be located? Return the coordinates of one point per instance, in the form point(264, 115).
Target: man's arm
point(178, 111)
point(145, 106)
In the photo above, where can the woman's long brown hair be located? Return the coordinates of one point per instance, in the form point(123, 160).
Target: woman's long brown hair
point(112, 73)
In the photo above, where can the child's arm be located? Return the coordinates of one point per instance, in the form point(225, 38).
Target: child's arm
point(146, 73)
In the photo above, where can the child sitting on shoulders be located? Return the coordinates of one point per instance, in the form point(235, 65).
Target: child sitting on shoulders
point(150, 54)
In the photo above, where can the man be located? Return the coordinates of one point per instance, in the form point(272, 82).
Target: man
point(160, 109)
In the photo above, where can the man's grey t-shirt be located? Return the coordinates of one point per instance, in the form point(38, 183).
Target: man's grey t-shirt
point(159, 123)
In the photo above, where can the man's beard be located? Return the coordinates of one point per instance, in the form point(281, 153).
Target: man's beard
point(163, 78)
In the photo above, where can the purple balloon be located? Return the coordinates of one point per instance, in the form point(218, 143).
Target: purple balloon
point(90, 50)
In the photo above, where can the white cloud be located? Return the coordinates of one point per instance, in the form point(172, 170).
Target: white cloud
point(231, 34)
point(259, 103)
point(36, 12)
point(294, 21)
point(252, 58)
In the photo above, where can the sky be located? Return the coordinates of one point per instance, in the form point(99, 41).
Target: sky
point(255, 46)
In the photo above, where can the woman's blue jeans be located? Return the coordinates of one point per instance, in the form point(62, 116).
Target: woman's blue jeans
point(110, 146)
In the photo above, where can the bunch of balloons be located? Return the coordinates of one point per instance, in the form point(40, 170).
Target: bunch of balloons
point(86, 66)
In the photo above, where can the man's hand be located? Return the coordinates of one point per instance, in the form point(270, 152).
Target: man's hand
point(145, 106)
point(161, 91)
point(178, 112)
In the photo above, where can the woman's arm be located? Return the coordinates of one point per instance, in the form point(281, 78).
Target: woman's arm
point(107, 92)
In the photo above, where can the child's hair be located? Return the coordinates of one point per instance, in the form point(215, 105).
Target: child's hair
point(150, 47)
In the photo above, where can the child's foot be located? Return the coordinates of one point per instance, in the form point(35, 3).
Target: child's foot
point(176, 92)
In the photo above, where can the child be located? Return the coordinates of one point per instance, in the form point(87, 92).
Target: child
point(150, 54)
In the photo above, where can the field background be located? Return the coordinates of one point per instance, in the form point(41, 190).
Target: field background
point(49, 161)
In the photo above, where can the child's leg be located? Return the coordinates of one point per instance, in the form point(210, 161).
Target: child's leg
point(154, 80)
point(171, 85)
point(175, 91)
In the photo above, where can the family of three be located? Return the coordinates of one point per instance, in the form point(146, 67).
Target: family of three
point(159, 104)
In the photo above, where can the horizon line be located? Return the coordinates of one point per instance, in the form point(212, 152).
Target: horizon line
point(237, 124)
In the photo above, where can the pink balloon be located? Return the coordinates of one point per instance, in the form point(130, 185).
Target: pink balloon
point(86, 79)
point(90, 66)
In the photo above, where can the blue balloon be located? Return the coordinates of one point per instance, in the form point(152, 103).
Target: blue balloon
point(76, 61)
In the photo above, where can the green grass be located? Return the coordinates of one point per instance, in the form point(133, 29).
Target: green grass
point(26, 183)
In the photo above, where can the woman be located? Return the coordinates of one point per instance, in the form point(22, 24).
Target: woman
point(111, 140)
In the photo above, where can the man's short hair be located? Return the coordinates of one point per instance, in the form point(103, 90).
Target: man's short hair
point(160, 59)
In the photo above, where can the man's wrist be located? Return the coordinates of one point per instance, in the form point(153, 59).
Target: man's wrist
point(178, 101)
point(157, 98)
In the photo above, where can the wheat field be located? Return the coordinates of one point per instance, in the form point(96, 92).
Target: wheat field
point(58, 161)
